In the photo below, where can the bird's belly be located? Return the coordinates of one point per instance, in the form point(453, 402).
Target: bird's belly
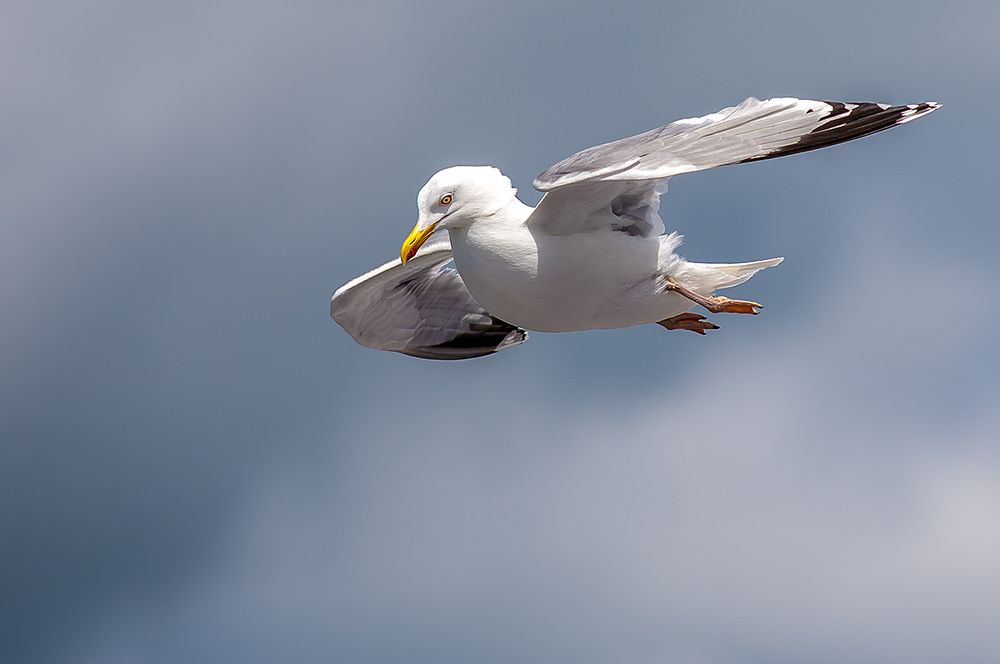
point(559, 283)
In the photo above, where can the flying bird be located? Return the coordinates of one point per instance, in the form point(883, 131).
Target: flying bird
point(594, 252)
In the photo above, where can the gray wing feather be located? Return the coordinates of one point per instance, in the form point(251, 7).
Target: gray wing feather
point(628, 207)
point(422, 309)
point(750, 131)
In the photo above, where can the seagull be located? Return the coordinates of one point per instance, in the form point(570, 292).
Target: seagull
point(594, 252)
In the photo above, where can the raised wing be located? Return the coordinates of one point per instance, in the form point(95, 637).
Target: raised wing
point(751, 131)
point(422, 309)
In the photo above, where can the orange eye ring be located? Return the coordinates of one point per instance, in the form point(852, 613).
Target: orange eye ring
point(446, 199)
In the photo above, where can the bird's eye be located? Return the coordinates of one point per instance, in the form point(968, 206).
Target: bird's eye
point(446, 199)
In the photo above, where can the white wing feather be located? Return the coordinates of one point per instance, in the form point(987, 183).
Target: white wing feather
point(750, 131)
point(422, 309)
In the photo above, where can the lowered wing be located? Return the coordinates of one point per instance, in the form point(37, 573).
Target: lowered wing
point(422, 309)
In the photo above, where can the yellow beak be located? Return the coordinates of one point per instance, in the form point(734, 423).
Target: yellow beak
point(413, 241)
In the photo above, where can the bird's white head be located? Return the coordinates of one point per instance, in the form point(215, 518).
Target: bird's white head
point(455, 198)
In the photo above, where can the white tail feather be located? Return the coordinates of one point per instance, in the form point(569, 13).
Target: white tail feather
point(708, 277)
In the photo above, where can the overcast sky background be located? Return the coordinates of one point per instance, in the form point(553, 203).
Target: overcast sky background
point(197, 465)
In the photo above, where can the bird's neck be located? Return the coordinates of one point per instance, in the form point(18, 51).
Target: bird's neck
point(497, 236)
point(513, 212)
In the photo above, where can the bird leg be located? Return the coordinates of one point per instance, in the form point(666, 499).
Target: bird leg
point(714, 303)
point(688, 321)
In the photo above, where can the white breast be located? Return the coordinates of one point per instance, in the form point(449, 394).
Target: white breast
point(556, 283)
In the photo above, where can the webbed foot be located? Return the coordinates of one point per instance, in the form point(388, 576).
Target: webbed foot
point(688, 321)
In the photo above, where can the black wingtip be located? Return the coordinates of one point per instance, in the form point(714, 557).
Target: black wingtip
point(482, 339)
point(846, 121)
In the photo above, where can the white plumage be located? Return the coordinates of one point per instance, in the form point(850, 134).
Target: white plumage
point(593, 253)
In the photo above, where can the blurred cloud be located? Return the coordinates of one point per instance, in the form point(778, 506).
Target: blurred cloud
point(198, 465)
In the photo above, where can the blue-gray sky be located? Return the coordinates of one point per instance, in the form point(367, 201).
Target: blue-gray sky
point(199, 466)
